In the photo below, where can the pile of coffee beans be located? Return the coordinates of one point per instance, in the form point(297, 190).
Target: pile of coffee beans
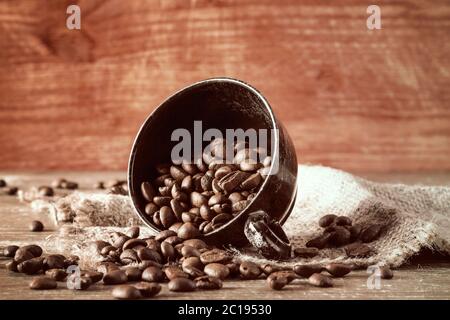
point(339, 231)
point(199, 198)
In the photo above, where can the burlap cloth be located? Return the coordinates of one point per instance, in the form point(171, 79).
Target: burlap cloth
point(415, 217)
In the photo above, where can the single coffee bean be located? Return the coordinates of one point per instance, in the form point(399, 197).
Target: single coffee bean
point(181, 285)
point(371, 233)
point(217, 199)
point(168, 251)
point(177, 173)
point(305, 252)
point(164, 191)
point(153, 274)
point(187, 184)
point(129, 256)
point(31, 266)
point(192, 262)
point(149, 254)
point(206, 181)
point(167, 216)
point(106, 267)
point(43, 283)
point(173, 240)
point(176, 207)
point(54, 261)
point(188, 231)
point(148, 263)
point(249, 270)
point(176, 226)
point(287, 274)
point(34, 249)
point(240, 205)
point(147, 289)
point(235, 197)
point(341, 236)
point(277, 283)
point(22, 255)
point(386, 272)
point(221, 219)
point(133, 243)
point(161, 201)
point(357, 249)
point(107, 250)
point(218, 270)
point(151, 208)
point(99, 245)
point(133, 232)
point(319, 242)
point(193, 272)
point(120, 241)
point(338, 269)
point(251, 182)
point(215, 256)
point(208, 283)
point(56, 274)
point(305, 271)
point(36, 226)
point(115, 277)
point(343, 221)
point(173, 272)
point(163, 235)
point(232, 180)
point(188, 251)
point(126, 292)
point(327, 220)
point(320, 280)
point(196, 243)
point(269, 268)
point(197, 199)
point(133, 273)
point(94, 276)
point(11, 266)
point(206, 213)
point(10, 251)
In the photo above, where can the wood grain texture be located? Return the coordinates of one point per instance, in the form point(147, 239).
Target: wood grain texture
point(424, 278)
point(351, 98)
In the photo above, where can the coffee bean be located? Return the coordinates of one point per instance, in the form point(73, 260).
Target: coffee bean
point(126, 292)
point(192, 262)
point(188, 251)
point(56, 274)
point(129, 256)
point(120, 241)
point(193, 272)
point(343, 221)
point(305, 252)
point(177, 173)
point(305, 271)
point(338, 269)
point(168, 251)
point(107, 250)
point(188, 231)
point(286, 274)
point(36, 226)
point(196, 243)
point(208, 283)
point(11, 266)
point(133, 243)
point(115, 277)
point(197, 199)
point(234, 268)
point(94, 276)
point(240, 205)
point(320, 280)
point(43, 283)
point(173, 240)
point(10, 251)
point(173, 272)
point(357, 249)
point(341, 236)
point(31, 266)
point(181, 285)
point(215, 256)
point(162, 235)
point(151, 208)
point(269, 268)
point(370, 233)
point(251, 182)
point(232, 180)
point(99, 245)
point(149, 254)
point(133, 232)
point(34, 249)
point(319, 242)
point(69, 185)
point(2, 183)
point(249, 270)
point(147, 289)
point(22, 255)
point(277, 283)
point(153, 274)
point(133, 273)
point(206, 181)
point(54, 261)
point(386, 272)
point(106, 267)
point(161, 201)
point(218, 270)
point(147, 263)
point(221, 219)
point(327, 220)
point(217, 199)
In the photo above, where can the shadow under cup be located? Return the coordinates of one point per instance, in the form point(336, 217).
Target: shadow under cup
point(222, 104)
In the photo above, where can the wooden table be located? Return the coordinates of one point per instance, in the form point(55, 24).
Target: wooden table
point(427, 277)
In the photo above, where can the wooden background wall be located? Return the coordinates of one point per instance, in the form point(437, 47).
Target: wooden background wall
point(351, 98)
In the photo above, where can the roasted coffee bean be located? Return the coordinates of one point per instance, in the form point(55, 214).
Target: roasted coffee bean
point(168, 251)
point(176, 207)
point(277, 283)
point(188, 231)
point(151, 208)
point(133, 243)
point(177, 173)
point(99, 245)
point(36, 226)
point(221, 219)
point(197, 199)
point(218, 270)
point(236, 197)
point(164, 191)
point(202, 226)
point(232, 180)
point(71, 260)
point(34, 249)
point(327, 220)
point(356, 249)
point(149, 254)
point(153, 274)
point(208, 283)
point(249, 270)
point(343, 221)
point(319, 242)
point(54, 261)
point(269, 268)
point(106, 267)
point(69, 185)
point(217, 199)
point(251, 182)
point(173, 240)
point(126, 292)
point(56, 274)
point(189, 217)
point(159, 181)
point(193, 272)
point(133, 273)
point(58, 183)
point(167, 216)
point(147, 289)
point(188, 251)
point(176, 226)
point(154, 244)
point(187, 184)
point(161, 201)
point(341, 236)
point(206, 213)
point(181, 285)
point(320, 280)
point(338, 269)
point(305, 271)
point(23, 255)
point(371, 233)
point(287, 274)
point(222, 208)
point(215, 256)
point(156, 219)
point(129, 256)
point(206, 181)
point(234, 268)
point(11, 266)
point(43, 283)
point(120, 241)
point(133, 232)
point(386, 272)
point(45, 191)
point(192, 262)
point(173, 272)
point(10, 251)
point(31, 266)
point(107, 250)
point(240, 205)
point(93, 276)
point(115, 277)
point(147, 263)
point(162, 235)
point(305, 252)
point(196, 243)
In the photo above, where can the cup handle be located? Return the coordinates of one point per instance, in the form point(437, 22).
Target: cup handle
point(267, 236)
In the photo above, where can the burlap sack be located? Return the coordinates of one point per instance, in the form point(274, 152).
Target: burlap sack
point(415, 217)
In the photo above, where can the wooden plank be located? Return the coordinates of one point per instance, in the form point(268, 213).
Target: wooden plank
point(351, 98)
point(425, 278)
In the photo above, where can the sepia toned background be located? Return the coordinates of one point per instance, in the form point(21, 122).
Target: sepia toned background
point(351, 98)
